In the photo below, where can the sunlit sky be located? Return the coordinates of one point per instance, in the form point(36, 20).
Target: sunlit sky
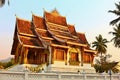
point(89, 16)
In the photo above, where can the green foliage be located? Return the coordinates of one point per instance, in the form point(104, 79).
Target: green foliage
point(116, 12)
point(36, 69)
point(7, 64)
point(100, 44)
point(116, 35)
point(105, 67)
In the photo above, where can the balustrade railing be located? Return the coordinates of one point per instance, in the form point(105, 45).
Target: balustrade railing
point(5, 75)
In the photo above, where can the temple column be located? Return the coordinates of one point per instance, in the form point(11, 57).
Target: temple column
point(79, 55)
point(91, 60)
point(65, 57)
point(53, 55)
point(50, 55)
point(25, 56)
point(82, 52)
point(68, 56)
point(17, 54)
point(22, 55)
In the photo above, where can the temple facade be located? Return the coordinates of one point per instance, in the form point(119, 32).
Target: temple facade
point(50, 40)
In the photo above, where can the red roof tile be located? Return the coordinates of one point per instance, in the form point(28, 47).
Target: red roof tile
point(55, 19)
point(38, 22)
point(72, 30)
point(82, 38)
point(43, 33)
point(57, 27)
point(30, 41)
point(24, 26)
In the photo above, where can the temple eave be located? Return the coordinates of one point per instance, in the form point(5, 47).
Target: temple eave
point(48, 38)
point(24, 34)
point(88, 50)
point(61, 46)
point(31, 46)
point(78, 44)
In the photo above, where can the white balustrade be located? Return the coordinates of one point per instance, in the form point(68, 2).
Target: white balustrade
point(5, 75)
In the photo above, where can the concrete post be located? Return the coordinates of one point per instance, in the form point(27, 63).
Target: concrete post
point(26, 75)
point(59, 76)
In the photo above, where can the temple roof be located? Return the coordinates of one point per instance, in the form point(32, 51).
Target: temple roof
point(30, 42)
point(26, 34)
point(52, 29)
point(24, 27)
point(82, 38)
point(38, 22)
point(55, 12)
point(72, 29)
point(63, 34)
point(57, 19)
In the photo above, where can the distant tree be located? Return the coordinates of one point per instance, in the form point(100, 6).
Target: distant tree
point(100, 44)
point(116, 12)
point(106, 65)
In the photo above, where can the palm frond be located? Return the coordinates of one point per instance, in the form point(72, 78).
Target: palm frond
point(116, 12)
point(115, 21)
point(117, 6)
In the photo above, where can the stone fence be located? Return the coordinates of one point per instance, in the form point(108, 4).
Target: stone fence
point(5, 75)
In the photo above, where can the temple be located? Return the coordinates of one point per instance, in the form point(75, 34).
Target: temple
point(50, 40)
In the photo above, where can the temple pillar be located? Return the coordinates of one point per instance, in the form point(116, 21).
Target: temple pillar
point(50, 55)
point(25, 56)
point(91, 60)
point(22, 55)
point(53, 54)
point(79, 55)
point(65, 57)
point(82, 52)
point(68, 56)
point(17, 54)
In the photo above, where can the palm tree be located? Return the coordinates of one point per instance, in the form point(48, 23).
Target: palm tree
point(100, 44)
point(116, 34)
point(116, 12)
point(2, 3)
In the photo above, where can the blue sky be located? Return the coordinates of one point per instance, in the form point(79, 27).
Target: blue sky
point(89, 16)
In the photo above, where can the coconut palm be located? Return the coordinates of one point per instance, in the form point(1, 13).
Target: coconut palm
point(2, 3)
point(100, 44)
point(116, 12)
point(116, 34)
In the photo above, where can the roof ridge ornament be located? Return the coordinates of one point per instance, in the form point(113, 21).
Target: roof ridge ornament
point(55, 11)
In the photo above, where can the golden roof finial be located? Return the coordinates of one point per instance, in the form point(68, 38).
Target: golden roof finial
point(55, 11)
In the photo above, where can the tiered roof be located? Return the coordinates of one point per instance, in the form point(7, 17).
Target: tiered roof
point(51, 29)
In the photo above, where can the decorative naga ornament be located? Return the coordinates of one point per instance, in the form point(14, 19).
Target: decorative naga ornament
point(2, 2)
